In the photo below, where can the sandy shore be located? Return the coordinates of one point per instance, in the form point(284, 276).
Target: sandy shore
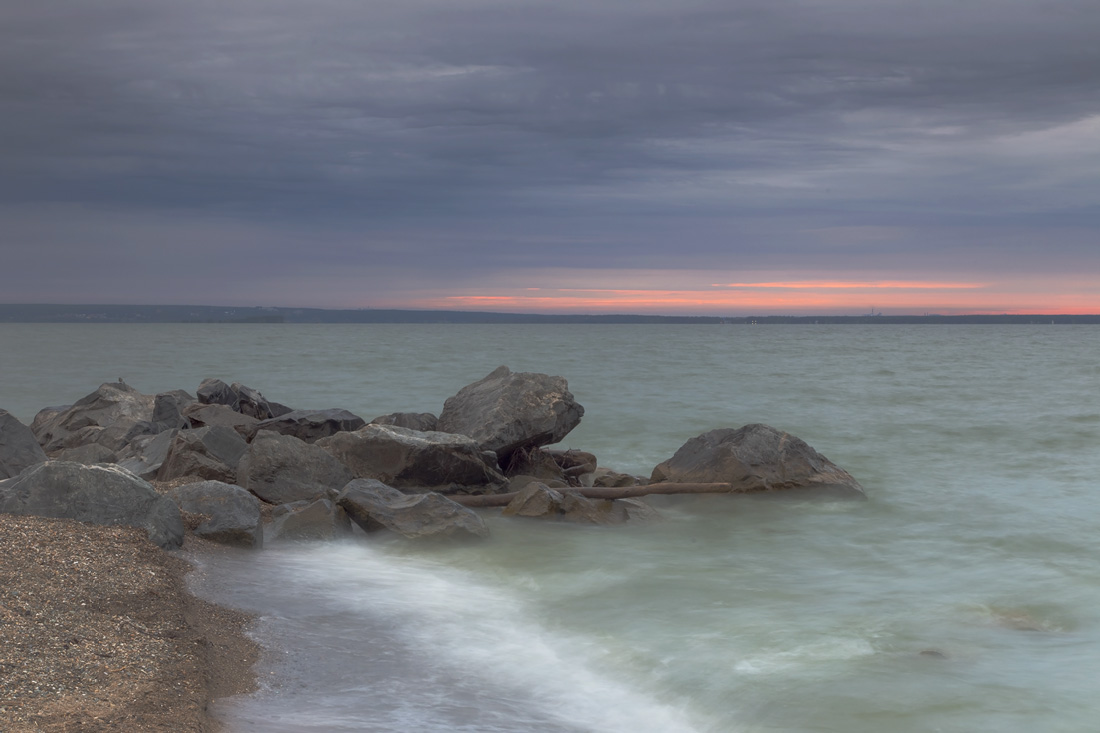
point(99, 633)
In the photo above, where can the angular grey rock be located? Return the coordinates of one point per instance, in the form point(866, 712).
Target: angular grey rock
point(19, 449)
point(236, 396)
point(507, 411)
point(144, 456)
point(211, 453)
point(607, 478)
point(374, 506)
point(281, 469)
point(89, 454)
point(168, 411)
point(233, 513)
point(407, 458)
point(756, 458)
point(202, 416)
point(106, 495)
point(312, 425)
point(534, 500)
point(308, 520)
point(425, 422)
point(105, 416)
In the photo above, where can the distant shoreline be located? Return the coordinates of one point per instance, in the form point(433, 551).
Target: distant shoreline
point(57, 313)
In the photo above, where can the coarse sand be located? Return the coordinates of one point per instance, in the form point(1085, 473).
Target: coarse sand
point(99, 633)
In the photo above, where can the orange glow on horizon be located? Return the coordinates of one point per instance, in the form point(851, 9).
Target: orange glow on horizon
point(795, 297)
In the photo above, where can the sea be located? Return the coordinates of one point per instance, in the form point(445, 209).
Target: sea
point(963, 595)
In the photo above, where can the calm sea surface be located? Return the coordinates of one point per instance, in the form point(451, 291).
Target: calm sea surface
point(963, 596)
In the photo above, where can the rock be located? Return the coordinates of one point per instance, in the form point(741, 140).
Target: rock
point(19, 449)
point(411, 459)
point(606, 478)
point(425, 422)
point(211, 453)
point(541, 501)
point(374, 506)
point(520, 482)
point(755, 458)
point(507, 411)
point(45, 415)
point(115, 407)
point(168, 411)
point(233, 513)
point(238, 398)
point(281, 469)
point(89, 454)
point(106, 495)
point(202, 415)
point(144, 456)
point(312, 425)
point(308, 520)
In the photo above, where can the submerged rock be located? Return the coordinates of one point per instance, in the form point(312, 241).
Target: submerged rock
point(540, 501)
point(375, 506)
point(508, 411)
point(308, 520)
point(755, 458)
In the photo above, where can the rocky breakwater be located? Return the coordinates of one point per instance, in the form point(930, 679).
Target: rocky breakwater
point(237, 468)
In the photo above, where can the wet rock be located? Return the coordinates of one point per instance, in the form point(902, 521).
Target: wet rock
point(19, 449)
point(411, 459)
point(425, 422)
point(756, 458)
point(540, 501)
point(281, 469)
point(607, 478)
point(308, 520)
point(211, 453)
point(233, 514)
point(106, 495)
point(508, 411)
point(312, 425)
point(374, 506)
point(105, 416)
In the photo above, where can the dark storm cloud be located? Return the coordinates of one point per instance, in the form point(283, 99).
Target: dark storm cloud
point(459, 130)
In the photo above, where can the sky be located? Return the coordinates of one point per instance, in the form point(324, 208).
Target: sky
point(742, 157)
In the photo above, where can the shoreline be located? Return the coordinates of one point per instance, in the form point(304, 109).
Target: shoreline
point(100, 632)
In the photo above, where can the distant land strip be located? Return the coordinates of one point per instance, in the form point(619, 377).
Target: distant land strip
point(54, 313)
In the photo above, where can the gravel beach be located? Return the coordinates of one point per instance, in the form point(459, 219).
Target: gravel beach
point(99, 633)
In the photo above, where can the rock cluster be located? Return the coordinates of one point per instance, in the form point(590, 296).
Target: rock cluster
point(227, 452)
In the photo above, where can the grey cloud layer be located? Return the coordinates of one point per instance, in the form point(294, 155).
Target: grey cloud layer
point(593, 122)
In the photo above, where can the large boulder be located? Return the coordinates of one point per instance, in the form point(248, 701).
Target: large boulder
point(374, 506)
point(755, 458)
point(307, 520)
point(106, 495)
point(209, 453)
point(411, 459)
point(508, 411)
point(88, 454)
point(109, 416)
point(168, 410)
point(19, 449)
point(312, 425)
point(281, 469)
point(232, 514)
point(425, 422)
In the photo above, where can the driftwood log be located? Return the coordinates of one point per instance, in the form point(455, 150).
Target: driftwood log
point(622, 492)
